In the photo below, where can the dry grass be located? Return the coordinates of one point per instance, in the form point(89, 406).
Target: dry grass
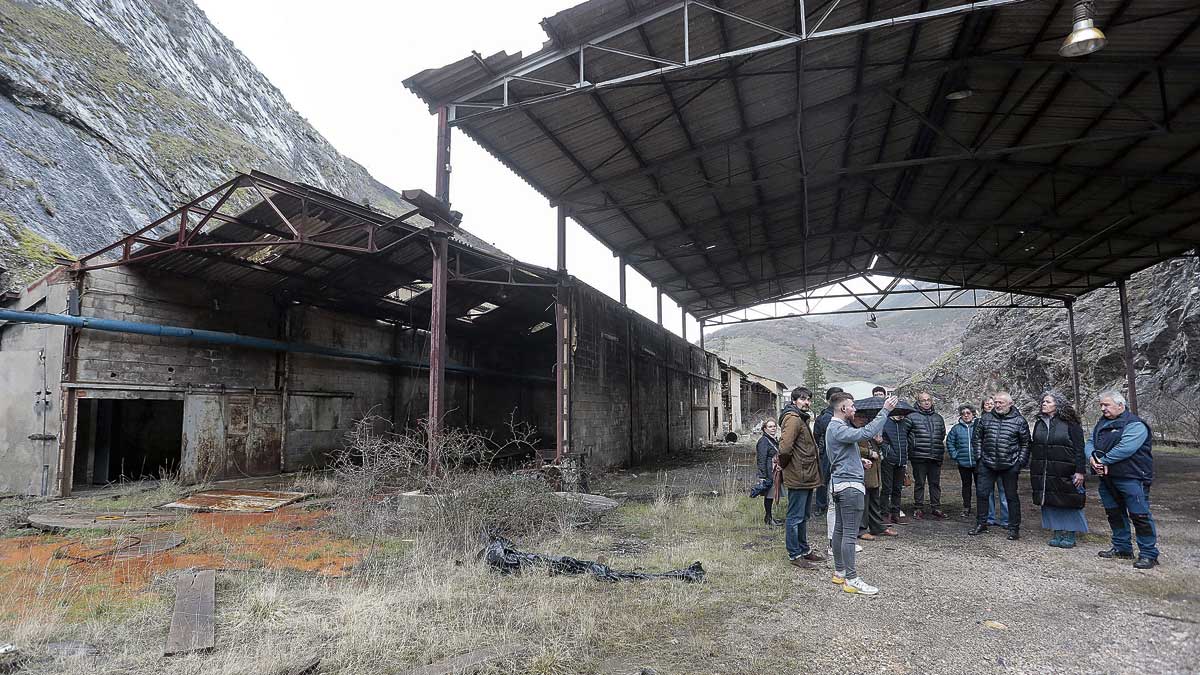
point(418, 599)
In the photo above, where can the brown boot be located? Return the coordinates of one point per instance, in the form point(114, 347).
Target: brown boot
point(803, 564)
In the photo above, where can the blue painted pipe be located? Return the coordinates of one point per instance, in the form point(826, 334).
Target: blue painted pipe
point(236, 340)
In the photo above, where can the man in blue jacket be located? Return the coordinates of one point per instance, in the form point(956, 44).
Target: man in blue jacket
point(1120, 452)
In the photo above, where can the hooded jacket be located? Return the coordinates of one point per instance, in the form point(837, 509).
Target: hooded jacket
point(960, 444)
point(895, 443)
point(1002, 440)
point(798, 453)
point(926, 432)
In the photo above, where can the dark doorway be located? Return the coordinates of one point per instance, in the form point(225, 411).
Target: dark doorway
point(127, 439)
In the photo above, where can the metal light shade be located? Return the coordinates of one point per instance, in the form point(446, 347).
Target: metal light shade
point(1084, 39)
point(871, 323)
point(959, 94)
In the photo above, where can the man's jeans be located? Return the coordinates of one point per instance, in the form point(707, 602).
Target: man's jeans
point(798, 511)
point(893, 484)
point(1001, 497)
point(986, 478)
point(1125, 500)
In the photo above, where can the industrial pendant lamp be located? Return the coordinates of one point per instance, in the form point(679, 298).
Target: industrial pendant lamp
point(1085, 38)
point(871, 322)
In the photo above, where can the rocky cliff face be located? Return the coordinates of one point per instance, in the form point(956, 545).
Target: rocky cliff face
point(112, 112)
point(1026, 351)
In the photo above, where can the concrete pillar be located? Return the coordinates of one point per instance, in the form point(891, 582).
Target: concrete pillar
point(1130, 372)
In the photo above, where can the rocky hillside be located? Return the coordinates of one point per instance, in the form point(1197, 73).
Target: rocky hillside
point(114, 111)
point(904, 342)
point(1026, 351)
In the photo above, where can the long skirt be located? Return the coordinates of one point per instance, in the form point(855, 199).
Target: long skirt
point(1059, 518)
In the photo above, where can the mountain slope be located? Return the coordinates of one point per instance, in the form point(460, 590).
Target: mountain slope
point(905, 341)
point(1026, 351)
point(114, 111)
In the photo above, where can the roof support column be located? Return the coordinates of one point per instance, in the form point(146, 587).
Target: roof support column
point(437, 349)
point(622, 282)
point(683, 321)
point(1130, 373)
point(1074, 353)
point(562, 346)
point(660, 307)
point(437, 312)
point(702, 334)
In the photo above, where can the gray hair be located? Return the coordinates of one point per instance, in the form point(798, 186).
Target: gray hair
point(1116, 396)
point(1005, 394)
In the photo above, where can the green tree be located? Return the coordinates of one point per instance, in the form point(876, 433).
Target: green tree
point(814, 374)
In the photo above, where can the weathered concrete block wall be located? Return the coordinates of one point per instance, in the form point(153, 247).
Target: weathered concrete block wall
point(637, 390)
point(29, 465)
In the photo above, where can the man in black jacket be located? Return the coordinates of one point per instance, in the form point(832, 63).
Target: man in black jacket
point(926, 433)
point(1002, 437)
point(819, 427)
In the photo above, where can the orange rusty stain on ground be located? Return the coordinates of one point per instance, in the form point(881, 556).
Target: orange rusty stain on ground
point(285, 540)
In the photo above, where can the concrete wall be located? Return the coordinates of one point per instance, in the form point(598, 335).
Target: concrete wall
point(637, 390)
point(30, 396)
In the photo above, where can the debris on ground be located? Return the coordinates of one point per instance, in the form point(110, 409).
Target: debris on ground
point(118, 548)
point(246, 501)
point(11, 658)
point(469, 662)
point(593, 503)
point(72, 649)
point(193, 623)
point(994, 625)
point(502, 555)
point(56, 521)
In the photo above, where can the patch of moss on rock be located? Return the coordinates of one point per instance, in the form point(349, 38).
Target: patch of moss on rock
point(24, 253)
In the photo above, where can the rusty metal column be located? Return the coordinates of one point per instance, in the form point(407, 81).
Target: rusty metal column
point(683, 322)
point(437, 348)
point(1074, 352)
point(1130, 373)
point(622, 280)
point(561, 344)
point(660, 307)
point(701, 333)
point(437, 314)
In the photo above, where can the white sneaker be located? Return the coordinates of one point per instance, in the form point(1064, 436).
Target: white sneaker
point(857, 585)
point(857, 548)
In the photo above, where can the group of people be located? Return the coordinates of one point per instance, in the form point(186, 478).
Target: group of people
point(852, 467)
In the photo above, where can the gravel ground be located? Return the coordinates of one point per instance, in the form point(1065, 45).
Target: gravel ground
point(1056, 610)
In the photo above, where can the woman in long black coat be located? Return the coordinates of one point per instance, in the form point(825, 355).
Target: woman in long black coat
point(767, 451)
point(1056, 469)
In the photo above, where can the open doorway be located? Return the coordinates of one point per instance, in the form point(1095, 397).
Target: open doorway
point(127, 439)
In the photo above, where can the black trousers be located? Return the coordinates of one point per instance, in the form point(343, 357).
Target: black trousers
point(985, 477)
point(925, 471)
point(893, 484)
point(872, 520)
point(967, 475)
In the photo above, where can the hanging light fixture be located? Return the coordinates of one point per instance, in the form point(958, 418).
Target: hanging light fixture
point(960, 94)
point(871, 322)
point(1084, 38)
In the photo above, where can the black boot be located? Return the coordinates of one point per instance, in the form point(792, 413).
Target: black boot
point(1014, 533)
point(980, 528)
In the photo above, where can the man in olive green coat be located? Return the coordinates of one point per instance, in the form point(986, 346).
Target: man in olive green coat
point(800, 459)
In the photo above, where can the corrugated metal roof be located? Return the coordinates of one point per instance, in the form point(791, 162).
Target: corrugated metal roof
point(1053, 178)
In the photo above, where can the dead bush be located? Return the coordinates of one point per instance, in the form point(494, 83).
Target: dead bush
point(384, 489)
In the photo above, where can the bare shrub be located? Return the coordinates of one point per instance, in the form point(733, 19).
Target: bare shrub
point(384, 488)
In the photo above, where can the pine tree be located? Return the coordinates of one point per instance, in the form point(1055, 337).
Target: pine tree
point(814, 374)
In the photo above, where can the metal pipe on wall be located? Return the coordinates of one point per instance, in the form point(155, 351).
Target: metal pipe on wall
point(235, 340)
point(1130, 372)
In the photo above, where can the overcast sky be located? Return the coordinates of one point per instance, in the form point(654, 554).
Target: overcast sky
point(341, 66)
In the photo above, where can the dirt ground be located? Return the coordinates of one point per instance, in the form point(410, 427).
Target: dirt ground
point(1061, 610)
point(291, 584)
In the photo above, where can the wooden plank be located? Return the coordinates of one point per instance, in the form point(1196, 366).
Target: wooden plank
point(193, 625)
point(470, 660)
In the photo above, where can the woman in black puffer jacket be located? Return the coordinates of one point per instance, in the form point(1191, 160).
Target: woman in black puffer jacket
point(1056, 469)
